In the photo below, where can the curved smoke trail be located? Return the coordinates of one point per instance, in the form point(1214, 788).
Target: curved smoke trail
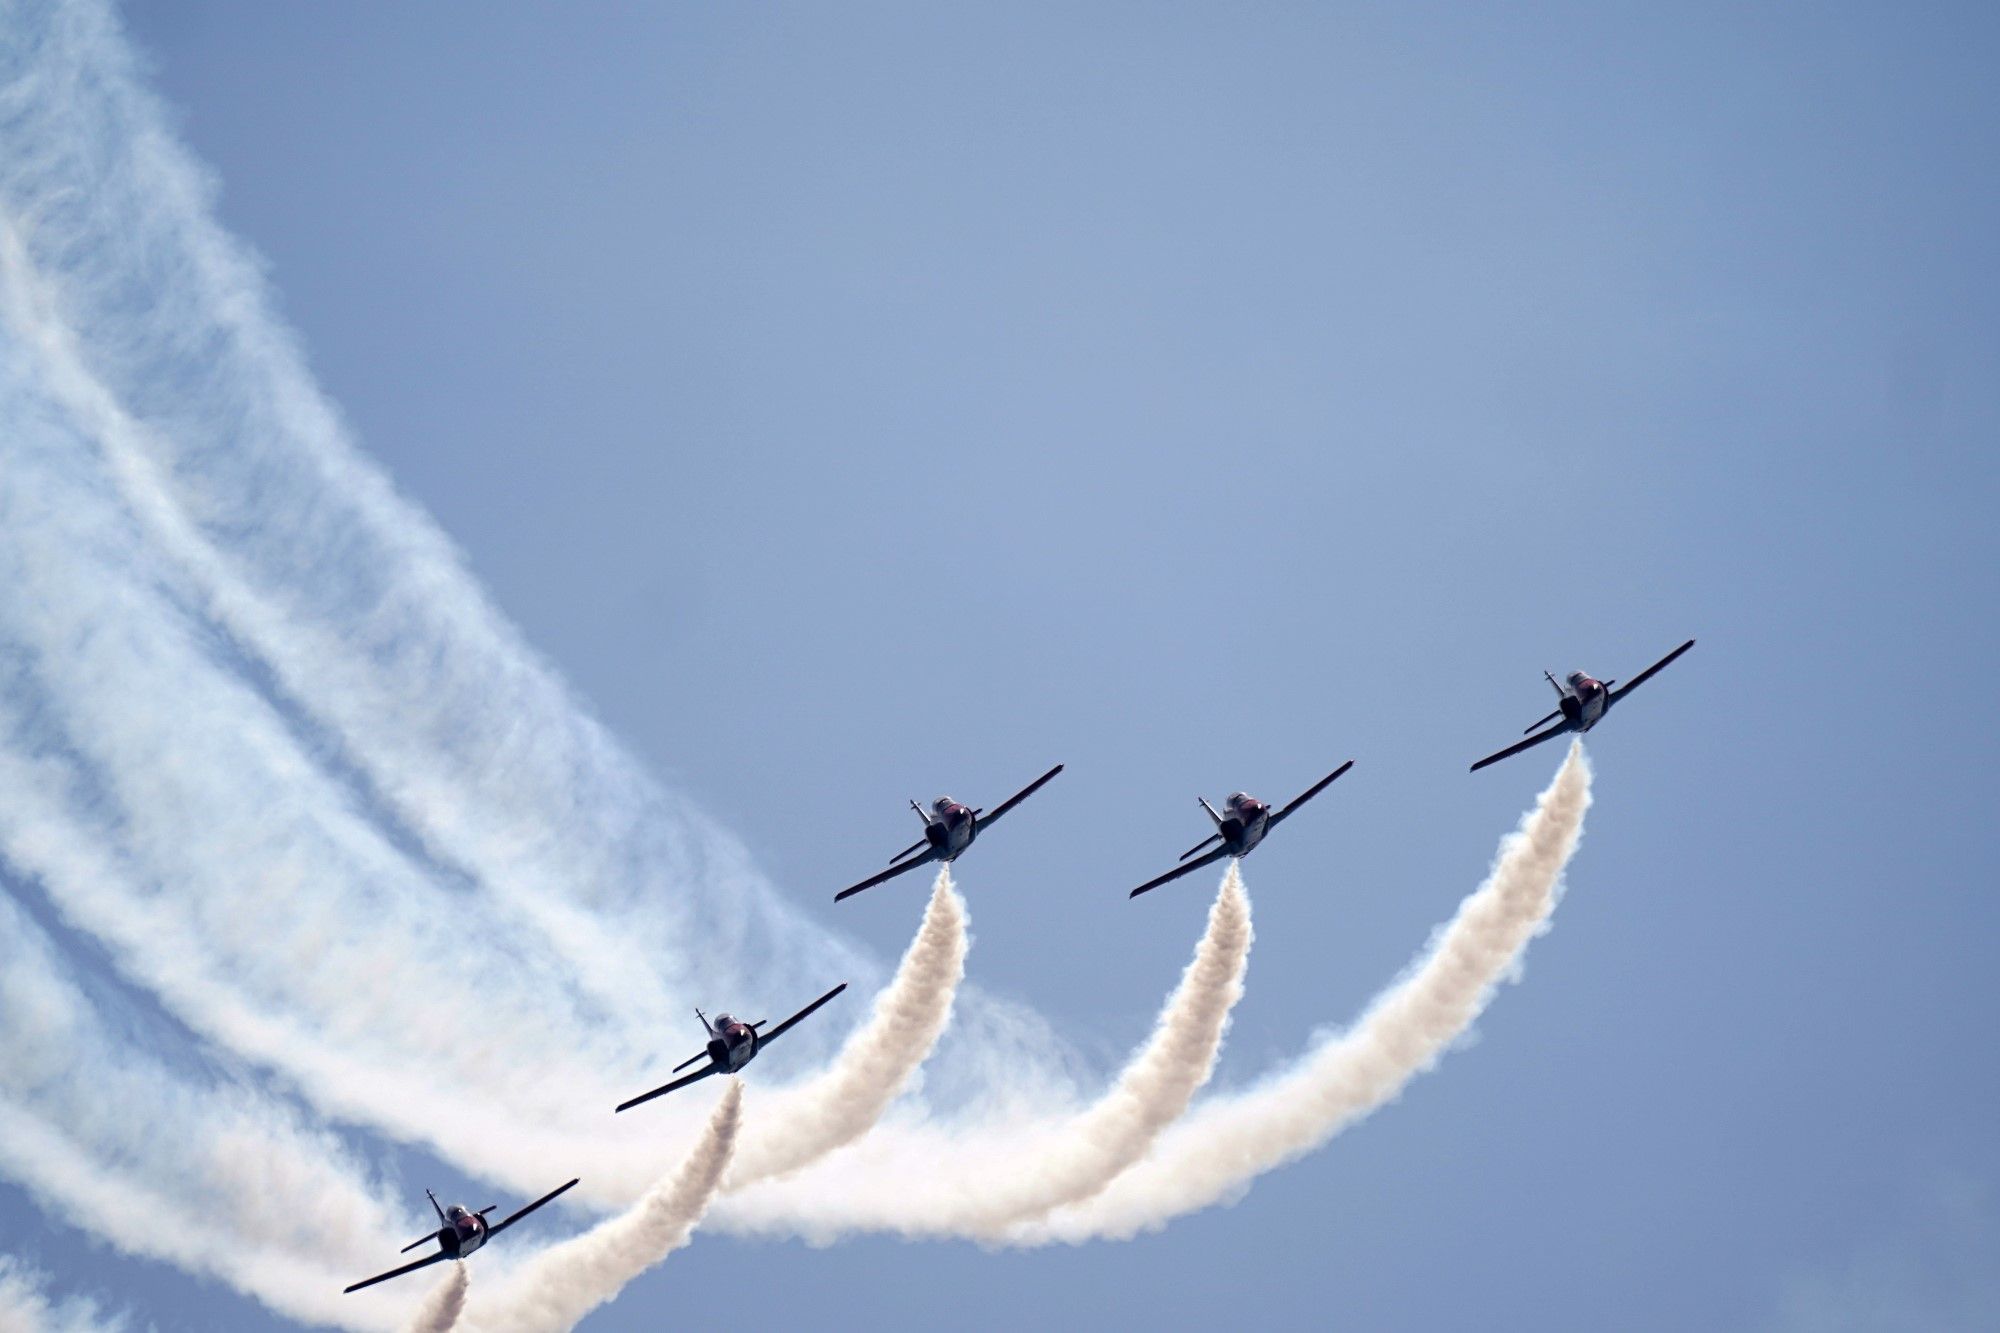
point(1151, 1093)
point(444, 1303)
point(567, 1281)
point(808, 1121)
point(1215, 1153)
point(981, 1180)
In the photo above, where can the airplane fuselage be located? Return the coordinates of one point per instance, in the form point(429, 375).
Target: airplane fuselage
point(1244, 822)
point(949, 828)
point(1584, 699)
point(463, 1231)
point(731, 1044)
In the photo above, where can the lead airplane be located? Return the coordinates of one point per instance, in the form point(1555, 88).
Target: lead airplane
point(732, 1044)
point(1239, 830)
point(460, 1232)
point(949, 829)
point(1581, 703)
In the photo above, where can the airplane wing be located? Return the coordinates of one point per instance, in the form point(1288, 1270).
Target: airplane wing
point(516, 1216)
point(888, 874)
point(424, 1262)
point(779, 1031)
point(1213, 837)
point(1017, 797)
point(662, 1091)
point(1621, 691)
point(1178, 871)
point(1310, 792)
point(1528, 744)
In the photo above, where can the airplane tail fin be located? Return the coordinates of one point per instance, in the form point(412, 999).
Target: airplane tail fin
point(1211, 810)
point(1552, 682)
point(434, 1206)
point(704, 1022)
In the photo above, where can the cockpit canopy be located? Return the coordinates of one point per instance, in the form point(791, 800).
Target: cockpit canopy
point(455, 1212)
point(942, 804)
point(722, 1022)
point(1239, 799)
point(1576, 678)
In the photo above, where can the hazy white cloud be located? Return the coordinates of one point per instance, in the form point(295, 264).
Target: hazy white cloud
point(1933, 1264)
point(26, 1305)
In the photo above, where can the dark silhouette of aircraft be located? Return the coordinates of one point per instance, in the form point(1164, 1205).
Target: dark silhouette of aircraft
point(1239, 827)
point(949, 829)
point(1581, 703)
point(731, 1045)
point(460, 1232)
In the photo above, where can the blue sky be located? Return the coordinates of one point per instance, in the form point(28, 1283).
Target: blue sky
point(866, 403)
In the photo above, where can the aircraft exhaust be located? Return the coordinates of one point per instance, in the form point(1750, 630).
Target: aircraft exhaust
point(801, 1124)
point(562, 1284)
point(1102, 1142)
point(1212, 1155)
point(442, 1306)
point(932, 1177)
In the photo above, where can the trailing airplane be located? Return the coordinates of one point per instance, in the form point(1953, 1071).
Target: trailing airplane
point(1581, 703)
point(949, 829)
point(460, 1232)
point(731, 1045)
point(1239, 826)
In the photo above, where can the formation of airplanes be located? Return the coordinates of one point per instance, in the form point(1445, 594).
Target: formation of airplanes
point(949, 829)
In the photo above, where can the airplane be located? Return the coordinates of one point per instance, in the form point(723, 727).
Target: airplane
point(949, 829)
point(731, 1045)
point(1239, 830)
point(1581, 703)
point(460, 1232)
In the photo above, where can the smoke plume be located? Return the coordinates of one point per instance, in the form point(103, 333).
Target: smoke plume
point(1215, 1153)
point(804, 1123)
point(981, 1179)
point(442, 1306)
point(567, 1281)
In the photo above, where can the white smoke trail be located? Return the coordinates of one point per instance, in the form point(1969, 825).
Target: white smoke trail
point(565, 1282)
point(1150, 1094)
point(808, 1121)
point(982, 1180)
point(164, 1165)
point(443, 1304)
point(1215, 1153)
